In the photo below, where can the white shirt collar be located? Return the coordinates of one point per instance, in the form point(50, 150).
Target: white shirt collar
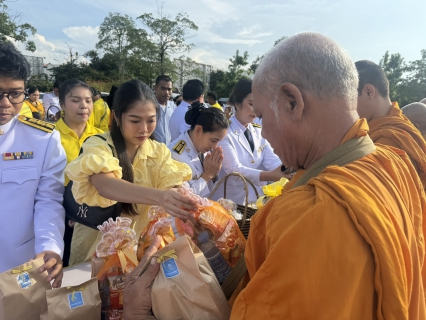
point(238, 124)
point(6, 127)
point(190, 143)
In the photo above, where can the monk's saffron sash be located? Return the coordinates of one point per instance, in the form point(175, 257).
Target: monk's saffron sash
point(346, 153)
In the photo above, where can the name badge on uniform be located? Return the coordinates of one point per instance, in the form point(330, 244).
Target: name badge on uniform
point(18, 155)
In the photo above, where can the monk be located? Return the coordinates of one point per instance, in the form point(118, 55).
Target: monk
point(416, 113)
point(423, 101)
point(387, 124)
point(345, 238)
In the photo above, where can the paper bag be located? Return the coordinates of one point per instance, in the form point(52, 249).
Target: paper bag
point(74, 303)
point(22, 292)
point(186, 287)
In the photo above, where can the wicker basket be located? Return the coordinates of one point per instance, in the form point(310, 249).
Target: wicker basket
point(248, 212)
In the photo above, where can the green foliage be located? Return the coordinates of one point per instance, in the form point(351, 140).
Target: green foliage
point(224, 82)
point(40, 81)
point(10, 26)
point(169, 35)
point(407, 82)
point(119, 37)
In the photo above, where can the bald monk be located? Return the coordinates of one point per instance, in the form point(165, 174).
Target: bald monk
point(387, 124)
point(343, 241)
point(416, 113)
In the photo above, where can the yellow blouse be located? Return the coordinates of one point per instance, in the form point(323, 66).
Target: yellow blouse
point(71, 142)
point(153, 167)
point(34, 107)
point(100, 115)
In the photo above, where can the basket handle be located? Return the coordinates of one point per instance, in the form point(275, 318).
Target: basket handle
point(245, 180)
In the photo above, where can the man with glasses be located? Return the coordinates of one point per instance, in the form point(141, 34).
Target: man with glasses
point(32, 163)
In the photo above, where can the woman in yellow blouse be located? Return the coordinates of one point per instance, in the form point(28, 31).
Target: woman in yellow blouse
point(139, 172)
point(34, 104)
point(75, 98)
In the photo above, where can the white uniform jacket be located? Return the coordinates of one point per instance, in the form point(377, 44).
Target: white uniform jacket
point(183, 150)
point(32, 163)
point(238, 157)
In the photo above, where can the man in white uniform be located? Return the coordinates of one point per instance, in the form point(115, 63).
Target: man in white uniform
point(32, 167)
point(192, 91)
point(51, 102)
point(163, 91)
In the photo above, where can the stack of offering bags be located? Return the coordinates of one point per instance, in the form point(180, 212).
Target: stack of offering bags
point(210, 216)
point(186, 287)
point(23, 292)
point(114, 259)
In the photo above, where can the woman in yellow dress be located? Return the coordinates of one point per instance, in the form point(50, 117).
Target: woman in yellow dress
point(138, 172)
point(34, 104)
point(75, 98)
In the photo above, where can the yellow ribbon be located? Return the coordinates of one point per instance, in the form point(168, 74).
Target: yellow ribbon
point(76, 289)
point(16, 271)
point(169, 254)
point(129, 254)
point(271, 191)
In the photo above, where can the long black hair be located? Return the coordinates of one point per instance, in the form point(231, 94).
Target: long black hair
point(127, 94)
point(210, 119)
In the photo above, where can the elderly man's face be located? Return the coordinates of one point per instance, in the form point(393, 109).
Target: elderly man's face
point(275, 128)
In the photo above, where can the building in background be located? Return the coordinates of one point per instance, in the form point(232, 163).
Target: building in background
point(187, 69)
point(36, 65)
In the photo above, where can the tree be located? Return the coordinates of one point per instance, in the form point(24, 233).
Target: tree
point(10, 26)
point(119, 36)
point(234, 74)
point(185, 69)
point(394, 67)
point(169, 35)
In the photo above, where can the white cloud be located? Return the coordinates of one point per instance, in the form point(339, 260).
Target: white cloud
point(86, 35)
point(208, 57)
point(252, 32)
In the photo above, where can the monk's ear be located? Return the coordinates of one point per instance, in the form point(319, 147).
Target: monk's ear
point(369, 91)
point(293, 101)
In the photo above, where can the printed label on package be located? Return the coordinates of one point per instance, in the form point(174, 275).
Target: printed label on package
point(24, 280)
point(76, 300)
point(170, 268)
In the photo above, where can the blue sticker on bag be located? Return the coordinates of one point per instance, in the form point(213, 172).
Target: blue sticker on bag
point(170, 268)
point(24, 280)
point(75, 300)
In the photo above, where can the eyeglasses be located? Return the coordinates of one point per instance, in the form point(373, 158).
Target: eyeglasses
point(14, 97)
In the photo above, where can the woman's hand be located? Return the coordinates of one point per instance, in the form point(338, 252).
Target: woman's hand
point(212, 164)
point(177, 204)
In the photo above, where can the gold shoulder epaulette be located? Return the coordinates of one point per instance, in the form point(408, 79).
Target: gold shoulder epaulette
point(256, 125)
point(180, 146)
point(38, 124)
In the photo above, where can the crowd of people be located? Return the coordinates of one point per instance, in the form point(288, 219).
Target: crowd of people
point(344, 240)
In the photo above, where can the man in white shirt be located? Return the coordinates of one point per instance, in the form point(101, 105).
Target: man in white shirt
point(51, 102)
point(32, 167)
point(163, 91)
point(192, 91)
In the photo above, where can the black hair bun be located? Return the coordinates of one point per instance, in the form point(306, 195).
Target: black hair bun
point(193, 112)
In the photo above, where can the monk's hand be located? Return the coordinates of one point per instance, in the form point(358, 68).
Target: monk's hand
point(53, 265)
point(137, 286)
point(177, 204)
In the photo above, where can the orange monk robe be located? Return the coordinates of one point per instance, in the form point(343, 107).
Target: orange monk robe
point(397, 131)
point(348, 245)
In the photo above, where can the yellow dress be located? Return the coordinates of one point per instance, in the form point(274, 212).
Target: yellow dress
point(71, 142)
point(26, 111)
point(153, 167)
point(100, 115)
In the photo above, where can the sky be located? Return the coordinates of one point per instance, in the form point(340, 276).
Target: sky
point(365, 28)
